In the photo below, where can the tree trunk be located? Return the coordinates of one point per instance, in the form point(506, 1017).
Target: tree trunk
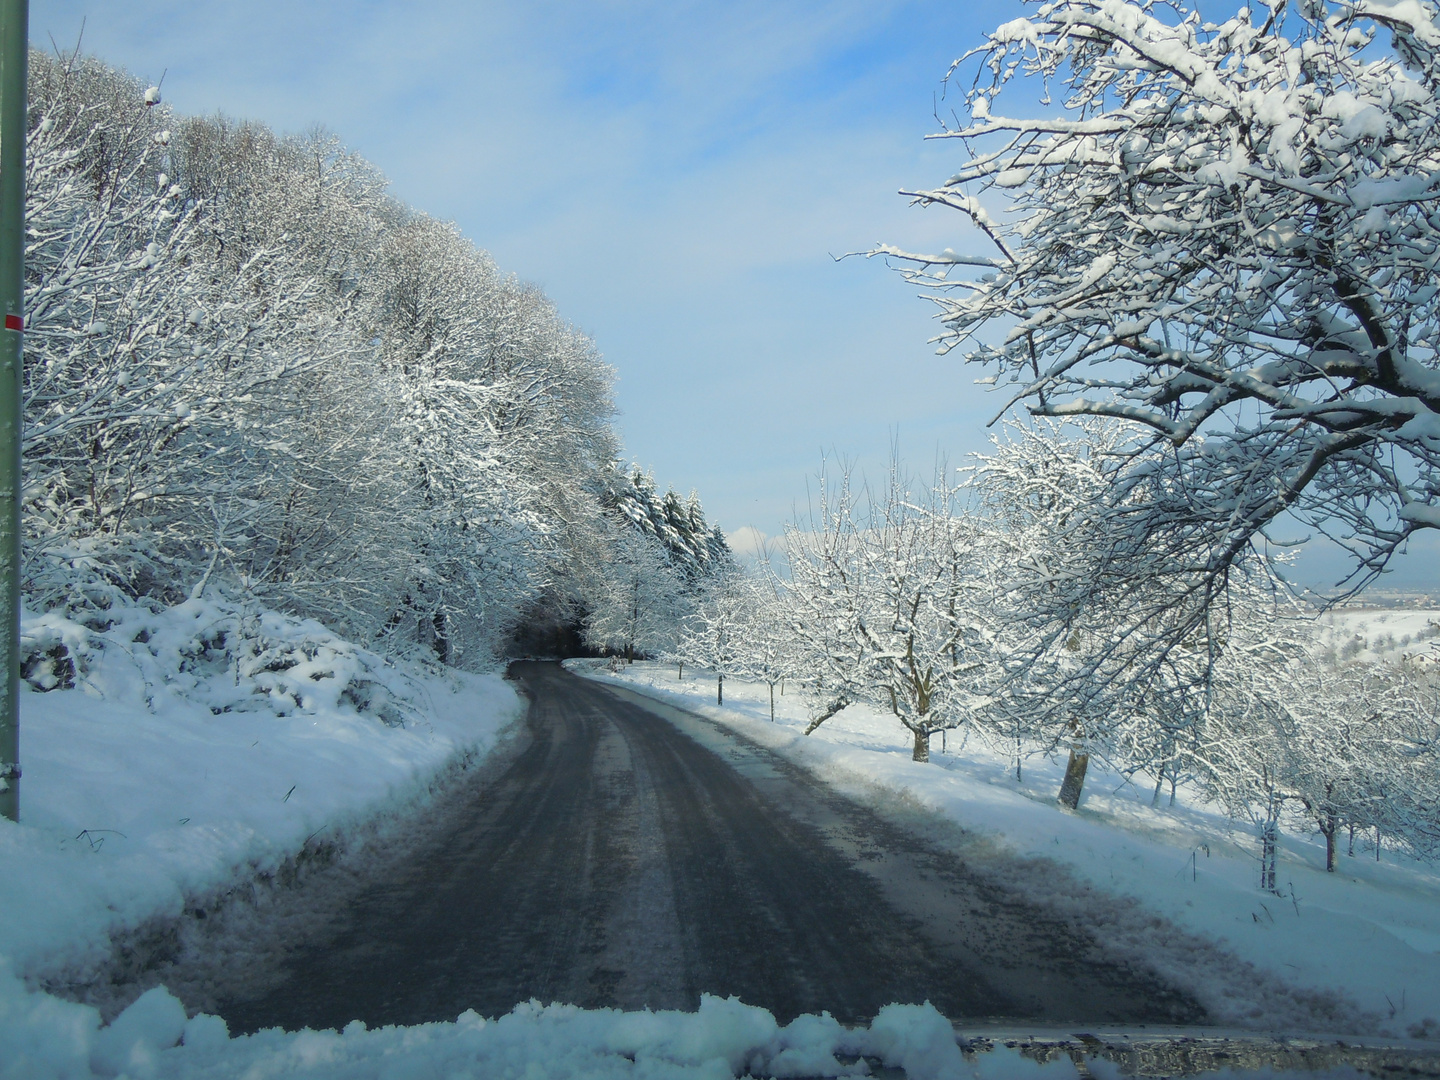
point(432, 633)
point(1074, 781)
point(1269, 839)
point(830, 710)
point(634, 623)
point(772, 703)
point(1328, 828)
point(719, 689)
point(922, 745)
point(442, 638)
point(680, 674)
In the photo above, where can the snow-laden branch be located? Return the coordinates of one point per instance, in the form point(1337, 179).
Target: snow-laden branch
point(1225, 231)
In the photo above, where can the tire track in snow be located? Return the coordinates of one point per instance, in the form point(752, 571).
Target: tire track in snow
point(621, 862)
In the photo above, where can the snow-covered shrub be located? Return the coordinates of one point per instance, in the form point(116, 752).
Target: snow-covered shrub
point(49, 647)
point(227, 657)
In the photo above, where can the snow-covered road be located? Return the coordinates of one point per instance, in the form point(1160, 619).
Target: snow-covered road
point(625, 859)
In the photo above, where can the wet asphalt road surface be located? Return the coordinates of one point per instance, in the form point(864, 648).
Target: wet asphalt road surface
point(635, 856)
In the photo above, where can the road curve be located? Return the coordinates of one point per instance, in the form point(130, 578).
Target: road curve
point(620, 861)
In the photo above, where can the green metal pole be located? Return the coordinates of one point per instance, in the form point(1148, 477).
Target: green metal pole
point(14, 62)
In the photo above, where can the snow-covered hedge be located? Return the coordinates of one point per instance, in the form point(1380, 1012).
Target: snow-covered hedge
point(227, 657)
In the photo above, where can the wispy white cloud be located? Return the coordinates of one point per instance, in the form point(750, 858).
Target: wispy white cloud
point(748, 542)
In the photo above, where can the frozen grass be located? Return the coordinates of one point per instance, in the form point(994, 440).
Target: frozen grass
point(1357, 948)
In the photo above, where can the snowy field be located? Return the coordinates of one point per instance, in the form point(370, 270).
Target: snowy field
point(1382, 633)
point(1363, 944)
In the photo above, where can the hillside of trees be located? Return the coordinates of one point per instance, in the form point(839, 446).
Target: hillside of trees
point(251, 372)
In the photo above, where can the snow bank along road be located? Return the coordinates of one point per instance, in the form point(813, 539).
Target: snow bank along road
point(634, 855)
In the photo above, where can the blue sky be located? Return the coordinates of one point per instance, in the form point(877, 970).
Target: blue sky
point(675, 175)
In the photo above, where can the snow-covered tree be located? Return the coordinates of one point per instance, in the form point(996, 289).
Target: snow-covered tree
point(660, 560)
point(142, 355)
point(638, 601)
point(248, 369)
point(1108, 635)
point(764, 634)
point(1352, 745)
point(694, 546)
point(1247, 704)
point(1075, 643)
point(891, 605)
point(712, 634)
point(299, 480)
point(1223, 233)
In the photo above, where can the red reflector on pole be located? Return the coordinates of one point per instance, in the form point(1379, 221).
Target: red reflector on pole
point(14, 322)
